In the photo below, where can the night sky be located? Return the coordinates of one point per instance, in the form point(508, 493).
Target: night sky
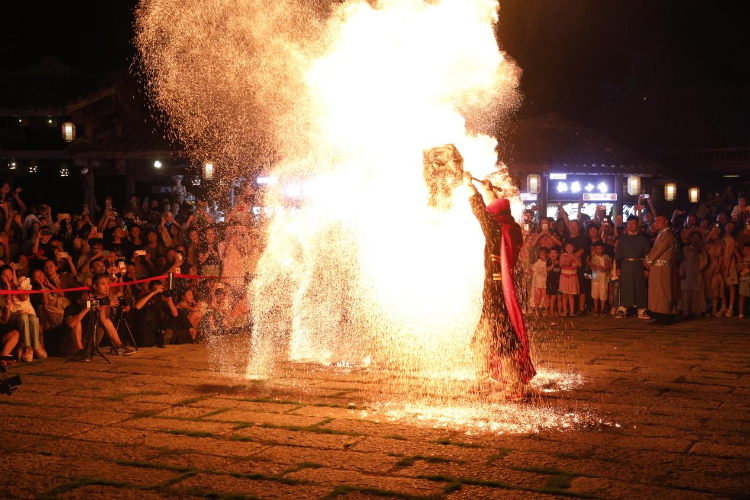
point(576, 54)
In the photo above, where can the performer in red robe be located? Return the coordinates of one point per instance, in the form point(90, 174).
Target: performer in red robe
point(500, 341)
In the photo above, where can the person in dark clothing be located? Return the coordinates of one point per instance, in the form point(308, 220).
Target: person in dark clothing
point(500, 341)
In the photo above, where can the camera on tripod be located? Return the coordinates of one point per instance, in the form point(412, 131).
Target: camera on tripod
point(8, 384)
point(125, 301)
point(97, 302)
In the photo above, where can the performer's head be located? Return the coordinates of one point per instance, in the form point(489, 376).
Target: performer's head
point(499, 207)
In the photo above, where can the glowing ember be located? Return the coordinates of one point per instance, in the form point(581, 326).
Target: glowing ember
point(342, 99)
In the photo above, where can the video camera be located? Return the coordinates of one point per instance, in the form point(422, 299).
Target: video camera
point(9, 384)
point(98, 302)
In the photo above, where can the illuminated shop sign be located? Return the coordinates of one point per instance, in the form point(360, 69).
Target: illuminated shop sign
point(575, 187)
point(599, 196)
point(528, 197)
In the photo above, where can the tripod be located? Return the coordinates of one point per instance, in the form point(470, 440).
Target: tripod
point(121, 320)
point(90, 344)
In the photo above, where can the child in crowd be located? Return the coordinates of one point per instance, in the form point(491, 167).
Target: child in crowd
point(539, 279)
point(743, 269)
point(601, 266)
point(714, 273)
point(553, 282)
point(614, 289)
point(23, 315)
point(569, 285)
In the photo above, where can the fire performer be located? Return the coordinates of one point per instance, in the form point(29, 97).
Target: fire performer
point(500, 342)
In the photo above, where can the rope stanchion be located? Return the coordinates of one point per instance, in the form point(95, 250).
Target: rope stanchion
point(125, 283)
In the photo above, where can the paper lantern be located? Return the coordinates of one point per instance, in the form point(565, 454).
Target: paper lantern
point(68, 131)
point(533, 183)
point(670, 191)
point(634, 185)
point(208, 171)
point(695, 194)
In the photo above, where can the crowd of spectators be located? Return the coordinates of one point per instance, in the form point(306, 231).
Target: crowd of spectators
point(110, 253)
point(658, 265)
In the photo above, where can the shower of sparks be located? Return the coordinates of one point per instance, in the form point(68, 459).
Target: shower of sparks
point(337, 101)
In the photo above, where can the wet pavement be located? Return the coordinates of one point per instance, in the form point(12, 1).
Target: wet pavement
point(621, 409)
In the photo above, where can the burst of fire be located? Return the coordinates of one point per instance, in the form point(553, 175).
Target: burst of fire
point(343, 99)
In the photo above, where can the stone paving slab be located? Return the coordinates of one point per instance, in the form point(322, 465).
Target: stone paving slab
point(657, 412)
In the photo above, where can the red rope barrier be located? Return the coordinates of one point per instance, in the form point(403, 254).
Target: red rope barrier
point(125, 283)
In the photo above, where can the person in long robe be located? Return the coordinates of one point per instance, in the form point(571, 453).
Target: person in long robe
point(660, 260)
point(691, 277)
point(500, 341)
point(632, 248)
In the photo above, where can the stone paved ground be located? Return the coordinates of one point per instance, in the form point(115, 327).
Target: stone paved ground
point(673, 404)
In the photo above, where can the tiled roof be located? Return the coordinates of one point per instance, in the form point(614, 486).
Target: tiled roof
point(47, 88)
point(550, 143)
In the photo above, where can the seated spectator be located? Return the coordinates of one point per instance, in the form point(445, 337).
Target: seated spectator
point(76, 311)
point(50, 306)
point(158, 314)
point(23, 316)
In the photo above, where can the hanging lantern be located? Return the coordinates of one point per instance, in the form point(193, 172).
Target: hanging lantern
point(695, 194)
point(634, 185)
point(670, 191)
point(208, 171)
point(533, 183)
point(69, 131)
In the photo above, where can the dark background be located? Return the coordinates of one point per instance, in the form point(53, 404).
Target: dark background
point(579, 57)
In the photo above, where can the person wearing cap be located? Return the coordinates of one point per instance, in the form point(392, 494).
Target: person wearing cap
point(500, 342)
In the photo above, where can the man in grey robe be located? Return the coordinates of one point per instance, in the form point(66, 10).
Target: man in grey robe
point(632, 248)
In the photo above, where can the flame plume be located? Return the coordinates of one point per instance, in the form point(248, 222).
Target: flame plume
point(343, 98)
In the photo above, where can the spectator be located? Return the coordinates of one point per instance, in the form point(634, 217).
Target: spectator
point(158, 314)
point(601, 266)
point(714, 273)
point(23, 316)
point(632, 248)
point(695, 260)
point(743, 269)
point(660, 260)
point(539, 273)
point(101, 294)
point(208, 255)
point(553, 282)
point(50, 306)
point(730, 266)
point(569, 286)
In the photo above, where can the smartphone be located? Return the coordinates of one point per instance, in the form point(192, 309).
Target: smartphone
point(63, 255)
point(545, 227)
point(526, 226)
point(105, 253)
point(140, 253)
